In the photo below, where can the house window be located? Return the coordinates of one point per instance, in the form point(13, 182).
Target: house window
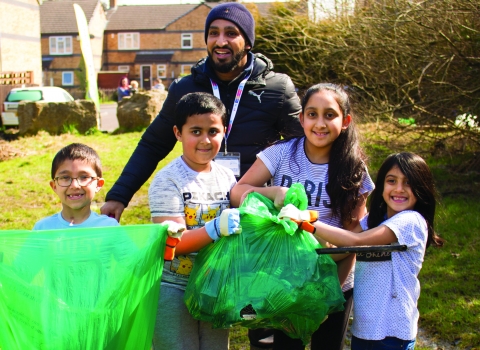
point(67, 78)
point(186, 69)
point(187, 41)
point(162, 70)
point(124, 68)
point(128, 41)
point(60, 45)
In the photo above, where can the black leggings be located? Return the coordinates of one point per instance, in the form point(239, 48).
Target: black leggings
point(329, 336)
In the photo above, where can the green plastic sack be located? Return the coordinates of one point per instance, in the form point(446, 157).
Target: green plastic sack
point(82, 288)
point(268, 276)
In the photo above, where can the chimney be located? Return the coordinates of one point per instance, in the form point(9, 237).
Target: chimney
point(113, 4)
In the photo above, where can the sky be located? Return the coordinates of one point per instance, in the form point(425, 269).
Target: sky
point(166, 2)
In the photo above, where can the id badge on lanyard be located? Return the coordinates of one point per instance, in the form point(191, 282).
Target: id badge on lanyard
point(230, 160)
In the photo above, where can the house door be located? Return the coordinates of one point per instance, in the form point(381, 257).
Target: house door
point(146, 77)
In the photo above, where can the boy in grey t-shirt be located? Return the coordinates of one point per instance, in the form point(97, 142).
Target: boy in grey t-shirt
point(194, 191)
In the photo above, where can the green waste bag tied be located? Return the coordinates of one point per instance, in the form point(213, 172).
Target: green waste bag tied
point(268, 276)
point(80, 288)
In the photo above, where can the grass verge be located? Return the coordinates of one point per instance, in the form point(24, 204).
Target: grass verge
point(450, 299)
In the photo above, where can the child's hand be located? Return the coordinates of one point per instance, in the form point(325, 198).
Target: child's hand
point(227, 224)
point(245, 194)
point(303, 218)
point(279, 199)
point(174, 232)
point(174, 229)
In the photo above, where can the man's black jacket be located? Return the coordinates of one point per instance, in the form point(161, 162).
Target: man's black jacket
point(268, 109)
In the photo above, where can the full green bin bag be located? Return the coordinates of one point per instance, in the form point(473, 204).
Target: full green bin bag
point(80, 288)
point(268, 276)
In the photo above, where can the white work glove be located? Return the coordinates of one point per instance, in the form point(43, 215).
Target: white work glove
point(174, 229)
point(303, 218)
point(227, 224)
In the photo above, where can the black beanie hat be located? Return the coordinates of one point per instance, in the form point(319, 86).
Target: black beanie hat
point(236, 13)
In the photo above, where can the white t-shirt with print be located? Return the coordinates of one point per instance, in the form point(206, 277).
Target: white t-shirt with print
point(289, 165)
point(387, 291)
point(179, 191)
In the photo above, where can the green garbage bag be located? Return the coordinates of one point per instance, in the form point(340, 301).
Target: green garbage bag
point(268, 276)
point(81, 288)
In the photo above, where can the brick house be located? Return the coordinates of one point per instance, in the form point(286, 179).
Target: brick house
point(61, 52)
point(148, 41)
point(20, 51)
point(20, 37)
point(139, 41)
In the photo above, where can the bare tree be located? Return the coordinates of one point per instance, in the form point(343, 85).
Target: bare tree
point(415, 60)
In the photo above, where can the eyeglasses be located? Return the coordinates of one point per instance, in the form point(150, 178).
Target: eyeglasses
point(83, 181)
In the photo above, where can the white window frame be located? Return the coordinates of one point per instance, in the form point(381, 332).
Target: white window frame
point(60, 45)
point(185, 69)
point(187, 41)
point(124, 68)
point(161, 70)
point(68, 82)
point(128, 41)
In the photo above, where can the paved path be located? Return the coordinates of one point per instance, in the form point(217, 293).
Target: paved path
point(108, 117)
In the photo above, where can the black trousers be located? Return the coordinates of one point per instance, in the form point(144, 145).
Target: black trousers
point(254, 335)
point(329, 336)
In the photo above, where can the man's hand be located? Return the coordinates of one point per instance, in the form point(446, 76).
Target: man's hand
point(227, 224)
point(113, 209)
point(303, 218)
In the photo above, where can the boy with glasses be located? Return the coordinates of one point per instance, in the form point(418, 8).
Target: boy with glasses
point(76, 177)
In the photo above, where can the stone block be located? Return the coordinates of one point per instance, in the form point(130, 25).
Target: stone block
point(138, 111)
point(56, 117)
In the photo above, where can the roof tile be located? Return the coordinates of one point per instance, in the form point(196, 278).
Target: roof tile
point(145, 17)
point(58, 16)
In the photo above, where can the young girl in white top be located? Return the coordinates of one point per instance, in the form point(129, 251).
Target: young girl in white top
point(387, 289)
point(330, 164)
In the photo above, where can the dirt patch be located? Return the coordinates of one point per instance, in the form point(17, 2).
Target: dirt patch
point(10, 134)
point(8, 152)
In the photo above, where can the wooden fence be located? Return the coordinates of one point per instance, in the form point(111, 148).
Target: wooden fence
point(10, 80)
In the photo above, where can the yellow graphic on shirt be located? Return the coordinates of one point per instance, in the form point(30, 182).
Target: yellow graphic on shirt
point(184, 267)
point(191, 216)
point(211, 214)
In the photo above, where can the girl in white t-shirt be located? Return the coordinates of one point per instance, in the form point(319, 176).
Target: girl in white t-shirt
point(328, 161)
point(387, 288)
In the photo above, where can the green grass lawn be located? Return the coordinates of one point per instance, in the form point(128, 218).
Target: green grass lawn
point(450, 299)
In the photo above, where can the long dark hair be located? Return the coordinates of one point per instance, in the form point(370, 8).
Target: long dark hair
point(422, 184)
point(347, 164)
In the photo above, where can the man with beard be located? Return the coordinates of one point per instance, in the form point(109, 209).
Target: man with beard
point(262, 105)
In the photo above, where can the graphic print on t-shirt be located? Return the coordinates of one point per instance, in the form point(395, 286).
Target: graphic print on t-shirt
point(191, 215)
point(182, 265)
point(210, 214)
point(311, 189)
point(198, 214)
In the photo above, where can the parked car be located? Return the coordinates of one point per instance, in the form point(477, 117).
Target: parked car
point(35, 93)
